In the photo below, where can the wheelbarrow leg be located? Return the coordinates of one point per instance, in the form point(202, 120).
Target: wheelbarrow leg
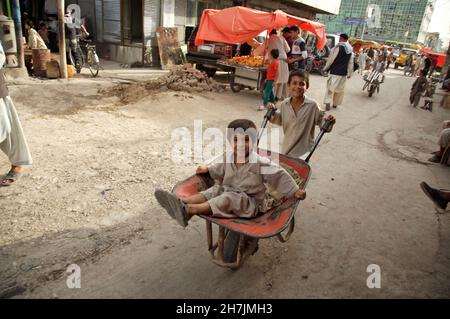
point(209, 235)
point(220, 243)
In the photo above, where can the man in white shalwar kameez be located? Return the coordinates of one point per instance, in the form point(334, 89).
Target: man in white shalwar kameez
point(340, 65)
point(12, 138)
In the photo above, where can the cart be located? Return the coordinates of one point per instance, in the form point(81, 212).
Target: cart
point(244, 76)
point(237, 238)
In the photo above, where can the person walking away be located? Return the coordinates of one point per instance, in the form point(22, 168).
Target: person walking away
point(362, 61)
point(340, 65)
point(418, 88)
point(12, 138)
point(299, 54)
point(272, 75)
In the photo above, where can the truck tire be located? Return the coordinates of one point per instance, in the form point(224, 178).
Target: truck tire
point(236, 88)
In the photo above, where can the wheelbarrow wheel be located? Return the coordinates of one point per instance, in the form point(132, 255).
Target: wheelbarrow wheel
point(230, 247)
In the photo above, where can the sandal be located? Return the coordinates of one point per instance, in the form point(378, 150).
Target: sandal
point(435, 159)
point(434, 195)
point(10, 178)
point(173, 205)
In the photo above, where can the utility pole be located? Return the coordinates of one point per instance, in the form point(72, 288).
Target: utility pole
point(19, 35)
point(62, 40)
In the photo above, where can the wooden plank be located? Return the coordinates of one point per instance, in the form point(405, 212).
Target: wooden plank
point(169, 48)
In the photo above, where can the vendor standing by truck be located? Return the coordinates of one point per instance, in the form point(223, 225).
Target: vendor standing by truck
point(298, 55)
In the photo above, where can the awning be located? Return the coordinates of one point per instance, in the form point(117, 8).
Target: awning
point(439, 58)
point(241, 24)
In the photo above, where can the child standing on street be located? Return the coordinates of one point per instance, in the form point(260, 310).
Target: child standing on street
point(272, 75)
point(298, 116)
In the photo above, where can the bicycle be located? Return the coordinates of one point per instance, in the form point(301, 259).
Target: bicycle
point(90, 59)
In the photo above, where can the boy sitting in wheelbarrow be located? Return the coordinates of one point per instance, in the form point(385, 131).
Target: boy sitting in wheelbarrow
point(242, 192)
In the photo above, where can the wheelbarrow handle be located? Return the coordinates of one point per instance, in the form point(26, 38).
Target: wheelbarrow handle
point(325, 128)
point(270, 112)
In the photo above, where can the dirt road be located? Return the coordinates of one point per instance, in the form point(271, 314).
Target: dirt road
point(88, 200)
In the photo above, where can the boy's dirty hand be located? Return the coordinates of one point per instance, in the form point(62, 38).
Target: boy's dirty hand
point(331, 119)
point(300, 194)
point(271, 106)
point(202, 170)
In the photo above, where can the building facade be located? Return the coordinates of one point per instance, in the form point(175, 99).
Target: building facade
point(401, 20)
point(125, 30)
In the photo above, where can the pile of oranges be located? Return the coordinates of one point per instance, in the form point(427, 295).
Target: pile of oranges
point(248, 60)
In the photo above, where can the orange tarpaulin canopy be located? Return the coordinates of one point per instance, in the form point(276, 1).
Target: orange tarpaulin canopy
point(241, 24)
point(439, 58)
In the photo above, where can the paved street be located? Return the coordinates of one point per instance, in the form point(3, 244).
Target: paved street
point(88, 200)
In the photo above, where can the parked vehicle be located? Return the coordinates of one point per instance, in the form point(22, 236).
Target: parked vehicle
point(206, 56)
point(404, 53)
point(316, 64)
point(311, 42)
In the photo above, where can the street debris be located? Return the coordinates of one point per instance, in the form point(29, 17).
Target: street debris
point(180, 78)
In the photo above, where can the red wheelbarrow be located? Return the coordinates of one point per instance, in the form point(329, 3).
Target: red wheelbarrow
point(238, 238)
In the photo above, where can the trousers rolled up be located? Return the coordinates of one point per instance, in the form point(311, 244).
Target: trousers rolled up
point(12, 138)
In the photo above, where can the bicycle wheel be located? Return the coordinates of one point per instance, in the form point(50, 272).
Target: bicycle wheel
point(93, 62)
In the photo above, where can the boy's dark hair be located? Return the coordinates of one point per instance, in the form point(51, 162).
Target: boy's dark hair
point(295, 28)
point(300, 73)
point(243, 125)
point(286, 29)
point(275, 53)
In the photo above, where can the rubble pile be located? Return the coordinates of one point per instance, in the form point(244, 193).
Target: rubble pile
point(180, 78)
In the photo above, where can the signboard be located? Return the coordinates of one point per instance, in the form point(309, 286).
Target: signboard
point(357, 21)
